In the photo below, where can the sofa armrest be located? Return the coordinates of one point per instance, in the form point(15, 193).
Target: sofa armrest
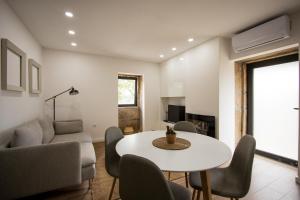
point(68, 126)
point(30, 170)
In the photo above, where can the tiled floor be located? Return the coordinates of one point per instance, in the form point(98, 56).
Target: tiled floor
point(271, 180)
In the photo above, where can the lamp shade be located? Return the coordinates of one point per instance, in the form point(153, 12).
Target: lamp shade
point(73, 91)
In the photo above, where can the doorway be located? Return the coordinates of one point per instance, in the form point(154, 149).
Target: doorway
point(273, 104)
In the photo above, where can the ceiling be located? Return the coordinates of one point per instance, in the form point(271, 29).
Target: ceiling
point(141, 29)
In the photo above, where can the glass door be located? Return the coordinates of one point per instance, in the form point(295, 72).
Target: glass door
point(273, 101)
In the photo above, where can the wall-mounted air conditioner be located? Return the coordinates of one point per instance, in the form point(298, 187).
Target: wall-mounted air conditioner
point(271, 31)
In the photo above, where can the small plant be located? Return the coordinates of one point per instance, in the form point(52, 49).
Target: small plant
point(170, 135)
point(170, 131)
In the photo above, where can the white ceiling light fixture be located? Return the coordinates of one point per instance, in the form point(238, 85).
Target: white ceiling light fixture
point(174, 49)
point(69, 14)
point(181, 58)
point(191, 40)
point(73, 44)
point(161, 55)
point(71, 32)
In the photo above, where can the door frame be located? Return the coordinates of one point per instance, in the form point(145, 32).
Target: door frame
point(250, 67)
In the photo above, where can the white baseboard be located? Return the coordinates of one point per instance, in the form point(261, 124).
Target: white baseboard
point(95, 140)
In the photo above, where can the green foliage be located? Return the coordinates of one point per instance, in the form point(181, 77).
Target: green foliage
point(126, 91)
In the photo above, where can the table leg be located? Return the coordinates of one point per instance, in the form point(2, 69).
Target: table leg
point(206, 185)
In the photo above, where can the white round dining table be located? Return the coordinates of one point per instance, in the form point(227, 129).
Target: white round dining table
point(204, 153)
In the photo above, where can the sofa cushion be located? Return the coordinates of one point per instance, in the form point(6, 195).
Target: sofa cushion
point(28, 134)
point(48, 130)
point(68, 126)
point(78, 137)
point(88, 156)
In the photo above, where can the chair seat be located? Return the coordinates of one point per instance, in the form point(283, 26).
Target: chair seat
point(179, 192)
point(223, 183)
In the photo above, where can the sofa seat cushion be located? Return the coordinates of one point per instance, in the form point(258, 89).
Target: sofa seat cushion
point(76, 137)
point(29, 134)
point(88, 156)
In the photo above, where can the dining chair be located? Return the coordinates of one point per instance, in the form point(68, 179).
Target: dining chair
point(112, 159)
point(234, 180)
point(188, 127)
point(141, 179)
point(185, 126)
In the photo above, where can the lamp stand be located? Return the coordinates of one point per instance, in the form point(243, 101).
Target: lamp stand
point(71, 91)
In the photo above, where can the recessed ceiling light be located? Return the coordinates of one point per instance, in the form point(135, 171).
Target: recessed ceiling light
point(181, 59)
point(191, 40)
point(174, 49)
point(73, 44)
point(161, 55)
point(69, 14)
point(71, 32)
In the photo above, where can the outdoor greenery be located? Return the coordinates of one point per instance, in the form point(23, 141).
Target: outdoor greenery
point(126, 91)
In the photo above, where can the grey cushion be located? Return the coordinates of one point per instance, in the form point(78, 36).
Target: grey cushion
point(29, 134)
point(179, 192)
point(68, 126)
point(79, 137)
point(88, 156)
point(48, 130)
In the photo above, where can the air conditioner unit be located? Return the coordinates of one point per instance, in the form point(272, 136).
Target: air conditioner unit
point(271, 31)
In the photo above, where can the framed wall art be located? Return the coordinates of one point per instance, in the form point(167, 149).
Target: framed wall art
point(35, 77)
point(13, 67)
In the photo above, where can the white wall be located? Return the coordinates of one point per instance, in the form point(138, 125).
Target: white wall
point(226, 95)
point(202, 79)
point(15, 107)
point(199, 73)
point(96, 79)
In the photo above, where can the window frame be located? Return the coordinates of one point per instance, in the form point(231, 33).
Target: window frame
point(135, 91)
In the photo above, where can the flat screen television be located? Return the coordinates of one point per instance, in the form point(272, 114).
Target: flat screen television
point(176, 113)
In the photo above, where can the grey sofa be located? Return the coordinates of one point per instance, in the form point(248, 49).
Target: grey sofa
point(42, 155)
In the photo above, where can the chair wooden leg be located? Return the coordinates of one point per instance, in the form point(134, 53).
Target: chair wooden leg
point(112, 188)
point(194, 192)
point(169, 176)
point(91, 187)
point(186, 180)
point(198, 194)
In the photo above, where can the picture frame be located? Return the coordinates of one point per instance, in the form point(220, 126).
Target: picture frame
point(35, 77)
point(13, 67)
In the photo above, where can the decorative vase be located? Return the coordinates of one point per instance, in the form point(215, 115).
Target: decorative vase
point(171, 138)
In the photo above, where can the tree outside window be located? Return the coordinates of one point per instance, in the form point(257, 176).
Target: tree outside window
point(127, 91)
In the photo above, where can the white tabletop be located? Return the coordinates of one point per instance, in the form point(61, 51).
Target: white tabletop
point(204, 153)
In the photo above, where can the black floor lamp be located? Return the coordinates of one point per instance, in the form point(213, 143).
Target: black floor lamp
point(71, 91)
